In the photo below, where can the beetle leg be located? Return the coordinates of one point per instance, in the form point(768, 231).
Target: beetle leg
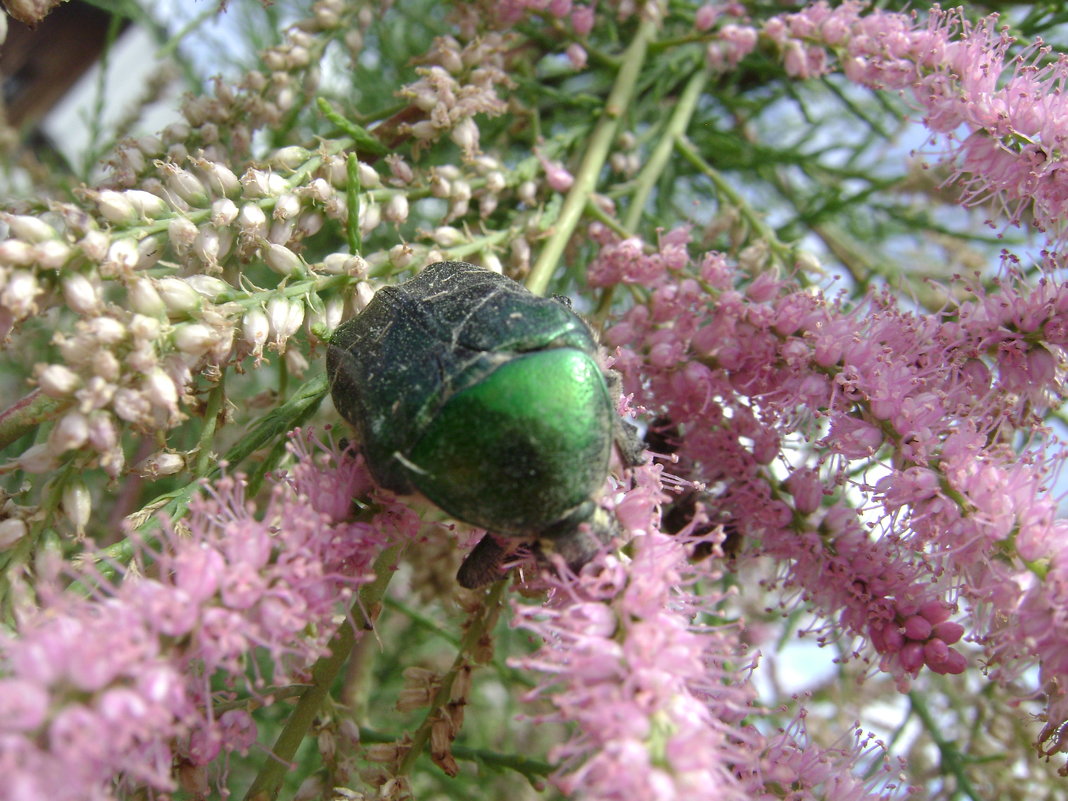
point(483, 565)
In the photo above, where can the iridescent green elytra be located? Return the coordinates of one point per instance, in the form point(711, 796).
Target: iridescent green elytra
point(486, 398)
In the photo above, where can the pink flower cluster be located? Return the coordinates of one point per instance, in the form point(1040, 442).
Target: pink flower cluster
point(944, 512)
point(662, 702)
point(962, 77)
point(117, 686)
point(657, 707)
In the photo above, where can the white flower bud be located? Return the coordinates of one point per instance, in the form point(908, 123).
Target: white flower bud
point(423, 130)
point(364, 293)
point(176, 132)
point(401, 255)
point(369, 177)
point(296, 364)
point(325, 17)
point(105, 365)
point(103, 434)
point(95, 245)
point(37, 459)
point(142, 356)
point(255, 328)
point(77, 350)
point(310, 223)
point(184, 184)
point(335, 169)
point(149, 144)
point(106, 330)
point(334, 311)
point(224, 343)
point(491, 262)
point(115, 207)
point(207, 246)
point(70, 431)
point(495, 181)
point(57, 380)
point(252, 220)
point(447, 236)
point(287, 206)
point(223, 212)
point(281, 231)
point(396, 209)
point(51, 255)
point(77, 504)
point(16, 253)
point(285, 99)
point(289, 158)
point(334, 263)
point(178, 296)
point(370, 217)
point(143, 297)
point(319, 190)
point(146, 328)
point(528, 192)
point(439, 185)
point(11, 531)
point(487, 204)
point(260, 183)
point(194, 339)
point(284, 317)
point(147, 205)
point(461, 190)
point(161, 463)
point(808, 262)
point(131, 405)
point(29, 229)
point(122, 257)
point(160, 390)
point(149, 251)
point(20, 294)
point(182, 233)
point(465, 135)
point(402, 171)
point(80, 294)
point(282, 260)
point(208, 285)
point(219, 178)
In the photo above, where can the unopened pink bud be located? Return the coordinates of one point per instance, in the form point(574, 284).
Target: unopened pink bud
point(948, 631)
point(911, 656)
point(917, 627)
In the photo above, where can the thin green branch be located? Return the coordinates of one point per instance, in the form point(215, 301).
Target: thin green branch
point(593, 159)
point(658, 159)
point(781, 251)
point(26, 414)
point(368, 603)
point(480, 626)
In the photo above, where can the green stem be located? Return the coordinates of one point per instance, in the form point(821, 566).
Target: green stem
point(26, 414)
point(481, 623)
point(268, 782)
point(658, 159)
point(593, 159)
point(952, 759)
point(211, 421)
point(654, 168)
point(756, 222)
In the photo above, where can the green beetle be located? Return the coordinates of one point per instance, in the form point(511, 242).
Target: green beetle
point(488, 399)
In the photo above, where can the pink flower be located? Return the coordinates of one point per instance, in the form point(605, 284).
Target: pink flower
point(98, 689)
